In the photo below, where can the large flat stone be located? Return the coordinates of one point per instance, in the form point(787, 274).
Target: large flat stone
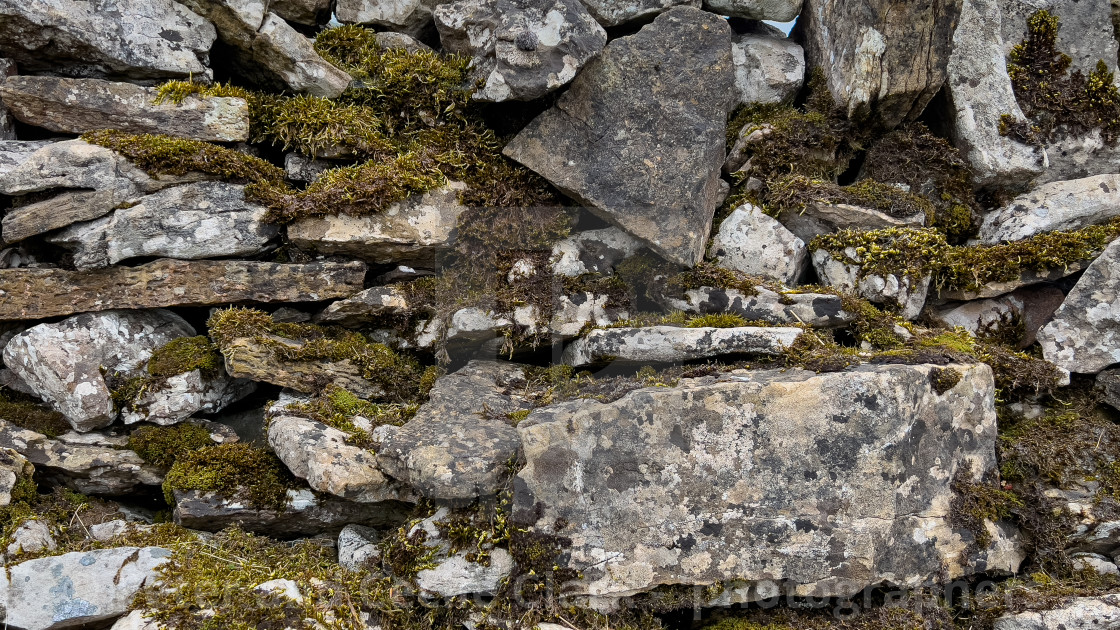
point(810, 484)
point(304, 514)
point(41, 293)
point(669, 344)
point(639, 136)
point(81, 105)
point(1057, 206)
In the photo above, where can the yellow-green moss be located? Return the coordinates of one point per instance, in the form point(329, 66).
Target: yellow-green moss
point(22, 411)
point(401, 377)
point(944, 379)
point(337, 407)
point(1056, 101)
point(904, 252)
point(717, 320)
point(161, 446)
point(976, 502)
point(183, 355)
point(234, 471)
point(809, 143)
point(795, 192)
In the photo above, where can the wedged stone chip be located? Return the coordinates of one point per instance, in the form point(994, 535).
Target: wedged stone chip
point(748, 476)
point(319, 454)
point(13, 467)
point(80, 589)
point(137, 39)
point(256, 360)
point(819, 310)
point(81, 105)
point(669, 344)
point(300, 168)
point(520, 49)
point(593, 251)
point(617, 12)
point(40, 293)
point(269, 49)
point(416, 232)
point(31, 537)
point(1084, 335)
point(639, 136)
point(774, 10)
point(769, 67)
point(66, 363)
point(179, 397)
point(89, 469)
point(1108, 382)
point(305, 514)
point(1053, 207)
point(1082, 613)
point(754, 243)
point(818, 218)
point(193, 221)
point(1029, 308)
point(907, 293)
point(456, 574)
point(358, 548)
point(884, 59)
point(979, 94)
point(451, 449)
point(366, 307)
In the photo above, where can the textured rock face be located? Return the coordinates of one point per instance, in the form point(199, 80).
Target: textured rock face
point(78, 589)
point(15, 152)
point(320, 454)
point(449, 450)
point(617, 12)
point(1084, 335)
point(309, 12)
point(414, 232)
point(1066, 205)
point(201, 220)
point(366, 307)
point(304, 515)
point(36, 293)
point(63, 362)
point(593, 251)
point(522, 49)
point(639, 136)
point(13, 467)
point(818, 310)
point(759, 245)
point(1083, 613)
point(818, 218)
point(409, 16)
point(746, 477)
point(87, 468)
point(1031, 306)
point(776, 10)
point(456, 574)
point(183, 395)
point(769, 68)
point(884, 59)
point(357, 547)
point(979, 93)
point(907, 292)
point(271, 50)
point(1086, 32)
point(140, 39)
point(670, 344)
point(252, 359)
point(81, 105)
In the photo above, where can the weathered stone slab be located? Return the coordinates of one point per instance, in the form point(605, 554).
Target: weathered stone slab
point(366, 307)
point(670, 344)
point(819, 310)
point(1057, 206)
point(449, 450)
point(79, 589)
point(639, 136)
point(194, 221)
point(883, 59)
point(41, 293)
point(139, 39)
point(813, 484)
point(755, 243)
point(1084, 336)
point(305, 514)
point(81, 105)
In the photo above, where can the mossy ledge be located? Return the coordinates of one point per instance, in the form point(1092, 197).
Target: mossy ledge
point(234, 471)
point(338, 408)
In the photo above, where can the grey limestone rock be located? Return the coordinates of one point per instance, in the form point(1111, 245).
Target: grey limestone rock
point(1084, 335)
point(669, 344)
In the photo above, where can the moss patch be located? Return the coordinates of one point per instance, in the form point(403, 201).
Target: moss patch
point(185, 354)
point(161, 446)
point(234, 471)
point(944, 379)
point(23, 411)
point(976, 502)
point(904, 252)
point(401, 377)
point(794, 193)
point(1057, 101)
point(338, 408)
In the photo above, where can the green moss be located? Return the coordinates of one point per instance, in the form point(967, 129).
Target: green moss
point(794, 193)
point(515, 417)
point(707, 274)
point(717, 320)
point(976, 502)
point(234, 471)
point(67, 514)
point(401, 377)
point(1056, 101)
point(314, 126)
point(904, 252)
point(944, 379)
point(161, 446)
point(931, 167)
point(22, 411)
point(406, 552)
point(337, 407)
point(807, 143)
point(183, 355)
